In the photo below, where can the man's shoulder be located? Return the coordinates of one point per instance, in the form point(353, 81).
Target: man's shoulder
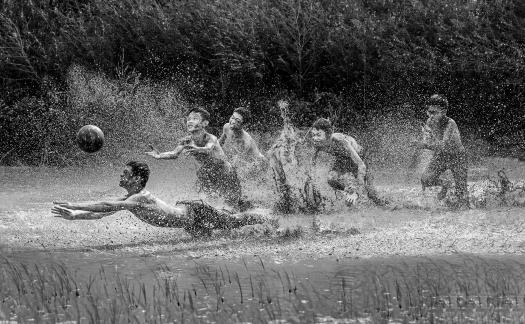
point(451, 121)
point(226, 127)
point(448, 123)
point(211, 137)
point(185, 140)
point(341, 137)
point(142, 196)
point(246, 134)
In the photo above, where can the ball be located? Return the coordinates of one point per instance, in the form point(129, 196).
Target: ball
point(90, 138)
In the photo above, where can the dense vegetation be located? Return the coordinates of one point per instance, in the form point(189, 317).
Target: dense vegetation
point(347, 59)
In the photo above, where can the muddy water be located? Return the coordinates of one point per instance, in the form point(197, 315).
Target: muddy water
point(122, 244)
point(365, 282)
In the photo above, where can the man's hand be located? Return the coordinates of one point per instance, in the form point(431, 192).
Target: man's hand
point(153, 153)
point(63, 204)
point(65, 212)
point(350, 197)
point(190, 149)
point(282, 104)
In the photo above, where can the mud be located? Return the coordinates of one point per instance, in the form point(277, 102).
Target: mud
point(428, 227)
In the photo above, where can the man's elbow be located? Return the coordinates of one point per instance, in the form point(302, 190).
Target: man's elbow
point(361, 169)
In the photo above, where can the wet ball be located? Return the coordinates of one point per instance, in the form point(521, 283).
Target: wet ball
point(90, 138)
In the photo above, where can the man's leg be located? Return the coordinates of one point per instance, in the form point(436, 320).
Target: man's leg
point(371, 191)
point(459, 171)
point(285, 202)
point(336, 180)
point(340, 181)
point(205, 218)
point(230, 188)
point(430, 177)
point(205, 180)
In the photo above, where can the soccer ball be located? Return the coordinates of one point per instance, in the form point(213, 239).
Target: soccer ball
point(90, 138)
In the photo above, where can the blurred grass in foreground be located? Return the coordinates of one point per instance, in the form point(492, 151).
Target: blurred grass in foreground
point(474, 290)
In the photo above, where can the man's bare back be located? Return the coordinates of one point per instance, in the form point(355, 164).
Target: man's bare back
point(196, 217)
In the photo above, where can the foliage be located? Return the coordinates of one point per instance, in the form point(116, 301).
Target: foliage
point(131, 113)
point(369, 55)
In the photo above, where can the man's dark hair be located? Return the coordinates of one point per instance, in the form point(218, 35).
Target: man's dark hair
point(323, 124)
point(245, 113)
point(205, 115)
point(438, 100)
point(140, 169)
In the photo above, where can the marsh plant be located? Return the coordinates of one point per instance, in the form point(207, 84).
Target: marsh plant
point(474, 290)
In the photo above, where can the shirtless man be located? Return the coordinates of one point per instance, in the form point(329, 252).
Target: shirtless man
point(215, 174)
point(441, 135)
point(237, 142)
point(195, 217)
point(348, 163)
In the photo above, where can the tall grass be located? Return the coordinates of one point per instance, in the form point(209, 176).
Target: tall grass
point(480, 291)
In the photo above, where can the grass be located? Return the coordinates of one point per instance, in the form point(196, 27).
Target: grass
point(430, 290)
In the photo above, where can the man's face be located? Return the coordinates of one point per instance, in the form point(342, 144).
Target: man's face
point(435, 113)
point(195, 123)
point(126, 178)
point(319, 137)
point(236, 121)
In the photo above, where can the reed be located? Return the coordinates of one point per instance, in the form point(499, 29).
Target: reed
point(432, 291)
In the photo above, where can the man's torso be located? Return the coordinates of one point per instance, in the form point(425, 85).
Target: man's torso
point(339, 146)
point(156, 212)
point(216, 156)
point(238, 145)
point(438, 131)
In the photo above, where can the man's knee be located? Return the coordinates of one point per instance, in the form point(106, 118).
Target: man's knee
point(334, 181)
point(429, 179)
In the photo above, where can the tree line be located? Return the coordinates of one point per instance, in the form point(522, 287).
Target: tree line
point(344, 58)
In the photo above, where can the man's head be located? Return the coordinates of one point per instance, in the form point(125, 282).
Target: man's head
point(240, 116)
point(197, 119)
point(135, 174)
point(437, 106)
point(321, 132)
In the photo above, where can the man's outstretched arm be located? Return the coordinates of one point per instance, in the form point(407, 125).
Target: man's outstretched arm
point(207, 148)
point(165, 155)
point(361, 167)
point(100, 206)
point(222, 139)
point(77, 214)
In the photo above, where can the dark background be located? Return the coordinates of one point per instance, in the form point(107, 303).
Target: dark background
point(348, 60)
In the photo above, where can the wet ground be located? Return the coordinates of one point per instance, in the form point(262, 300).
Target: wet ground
point(429, 228)
point(339, 245)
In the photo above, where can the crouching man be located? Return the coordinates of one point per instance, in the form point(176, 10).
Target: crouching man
point(348, 164)
point(441, 135)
